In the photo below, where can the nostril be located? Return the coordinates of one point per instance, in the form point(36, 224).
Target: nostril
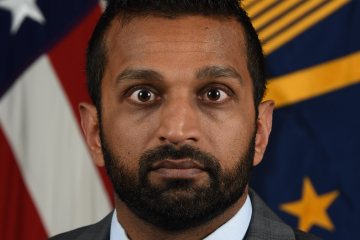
point(162, 138)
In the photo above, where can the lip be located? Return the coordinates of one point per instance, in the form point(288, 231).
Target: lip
point(179, 169)
point(178, 164)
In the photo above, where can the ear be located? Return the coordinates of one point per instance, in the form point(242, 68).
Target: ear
point(90, 126)
point(264, 124)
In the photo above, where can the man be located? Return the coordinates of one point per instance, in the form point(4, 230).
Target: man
point(178, 122)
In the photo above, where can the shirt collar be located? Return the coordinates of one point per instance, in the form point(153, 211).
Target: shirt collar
point(117, 232)
point(233, 229)
point(236, 227)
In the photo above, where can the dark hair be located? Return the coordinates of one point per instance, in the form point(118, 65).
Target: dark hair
point(96, 57)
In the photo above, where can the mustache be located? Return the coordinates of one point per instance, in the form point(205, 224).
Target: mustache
point(163, 152)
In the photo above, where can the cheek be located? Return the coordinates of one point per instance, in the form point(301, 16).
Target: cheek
point(127, 137)
point(230, 139)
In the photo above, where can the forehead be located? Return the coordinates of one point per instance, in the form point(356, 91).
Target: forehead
point(195, 40)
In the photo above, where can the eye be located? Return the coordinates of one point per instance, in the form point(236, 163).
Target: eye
point(142, 95)
point(215, 95)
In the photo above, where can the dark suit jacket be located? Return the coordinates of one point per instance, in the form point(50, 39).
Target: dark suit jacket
point(264, 225)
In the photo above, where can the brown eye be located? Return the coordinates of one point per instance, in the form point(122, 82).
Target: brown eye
point(213, 95)
point(142, 95)
point(216, 95)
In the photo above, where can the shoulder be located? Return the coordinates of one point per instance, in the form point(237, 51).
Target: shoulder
point(74, 234)
point(97, 231)
point(300, 235)
point(265, 224)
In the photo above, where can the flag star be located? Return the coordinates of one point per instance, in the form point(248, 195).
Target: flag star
point(311, 208)
point(103, 4)
point(20, 9)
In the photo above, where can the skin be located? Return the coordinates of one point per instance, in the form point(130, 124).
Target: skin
point(179, 111)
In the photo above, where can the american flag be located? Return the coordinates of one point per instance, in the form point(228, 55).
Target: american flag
point(309, 175)
point(49, 183)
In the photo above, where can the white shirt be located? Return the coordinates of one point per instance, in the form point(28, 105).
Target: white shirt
point(234, 229)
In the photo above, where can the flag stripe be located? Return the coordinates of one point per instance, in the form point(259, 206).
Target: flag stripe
point(247, 3)
point(255, 9)
point(314, 81)
point(321, 3)
point(302, 25)
point(68, 60)
point(49, 148)
point(15, 201)
point(275, 11)
point(287, 19)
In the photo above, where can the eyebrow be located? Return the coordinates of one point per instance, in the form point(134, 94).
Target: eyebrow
point(209, 72)
point(136, 74)
point(218, 72)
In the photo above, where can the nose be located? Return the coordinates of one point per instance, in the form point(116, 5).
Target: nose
point(179, 122)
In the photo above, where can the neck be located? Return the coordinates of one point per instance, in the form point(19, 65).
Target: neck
point(137, 229)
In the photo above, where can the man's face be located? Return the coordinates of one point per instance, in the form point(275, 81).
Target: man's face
point(178, 117)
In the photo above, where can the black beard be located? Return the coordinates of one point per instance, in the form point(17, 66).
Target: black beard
point(178, 205)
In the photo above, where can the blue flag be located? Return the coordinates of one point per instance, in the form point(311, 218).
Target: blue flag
point(310, 173)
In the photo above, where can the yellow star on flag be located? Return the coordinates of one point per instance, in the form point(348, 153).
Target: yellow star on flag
point(311, 208)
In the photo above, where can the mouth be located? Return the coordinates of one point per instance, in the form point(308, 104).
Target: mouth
point(178, 169)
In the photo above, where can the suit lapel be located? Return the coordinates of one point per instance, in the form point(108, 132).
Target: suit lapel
point(265, 224)
point(98, 231)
